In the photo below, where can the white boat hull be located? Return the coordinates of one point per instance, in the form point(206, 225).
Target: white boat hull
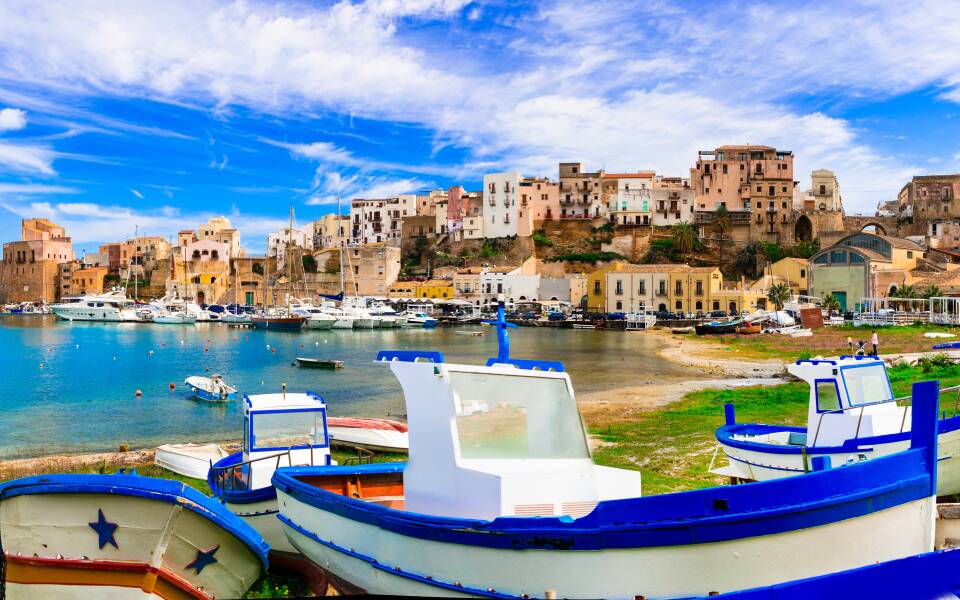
point(379, 561)
point(343, 323)
point(764, 466)
point(382, 440)
point(364, 323)
point(189, 460)
point(86, 313)
point(175, 319)
point(262, 516)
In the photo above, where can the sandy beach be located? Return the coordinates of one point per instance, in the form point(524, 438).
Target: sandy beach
point(621, 402)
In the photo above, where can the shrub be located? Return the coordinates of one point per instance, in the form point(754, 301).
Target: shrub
point(540, 239)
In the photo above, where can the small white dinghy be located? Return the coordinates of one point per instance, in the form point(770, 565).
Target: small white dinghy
point(381, 435)
point(189, 460)
point(211, 389)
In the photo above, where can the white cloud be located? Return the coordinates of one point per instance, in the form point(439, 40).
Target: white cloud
point(136, 193)
point(360, 185)
point(26, 189)
point(12, 119)
point(26, 158)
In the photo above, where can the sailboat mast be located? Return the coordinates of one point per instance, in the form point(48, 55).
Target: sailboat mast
point(342, 248)
point(289, 260)
point(136, 233)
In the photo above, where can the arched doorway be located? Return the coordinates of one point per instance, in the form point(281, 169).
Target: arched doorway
point(662, 307)
point(716, 306)
point(733, 308)
point(201, 298)
point(803, 230)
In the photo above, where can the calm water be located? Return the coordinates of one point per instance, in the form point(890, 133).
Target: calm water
point(83, 398)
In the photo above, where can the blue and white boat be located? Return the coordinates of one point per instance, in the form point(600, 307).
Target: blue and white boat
point(500, 499)
point(211, 389)
point(419, 319)
point(123, 536)
point(852, 416)
point(286, 429)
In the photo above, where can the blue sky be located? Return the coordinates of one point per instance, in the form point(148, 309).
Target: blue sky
point(161, 114)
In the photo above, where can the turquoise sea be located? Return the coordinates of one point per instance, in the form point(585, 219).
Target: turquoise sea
point(70, 387)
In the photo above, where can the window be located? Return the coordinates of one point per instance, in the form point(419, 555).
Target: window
point(855, 258)
point(679, 305)
point(643, 288)
point(803, 273)
point(619, 305)
point(866, 384)
point(619, 288)
point(724, 169)
point(596, 287)
point(909, 254)
point(823, 190)
point(823, 259)
point(507, 417)
point(838, 256)
point(827, 396)
point(678, 287)
point(699, 291)
point(283, 430)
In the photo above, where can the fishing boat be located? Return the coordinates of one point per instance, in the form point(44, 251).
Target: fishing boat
point(107, 307)
point(123, 536)
point(319, 363)
point(681, 330)
point(500, 498)
point(717, 327)
point(211, 389)
point(278, 430)
point(419, 319)
point(852, 416)
point(277, 321)
point(189, 460)
point(379, 435)
point(470, 333)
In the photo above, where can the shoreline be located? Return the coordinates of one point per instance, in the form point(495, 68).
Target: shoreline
point(598, 407)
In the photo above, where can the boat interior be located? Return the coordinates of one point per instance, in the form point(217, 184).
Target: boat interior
point(384, 489)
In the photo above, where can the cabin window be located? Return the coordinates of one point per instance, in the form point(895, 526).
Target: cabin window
point(827, 397)
point(516, 417)
point(286, 429)
point(866, 384)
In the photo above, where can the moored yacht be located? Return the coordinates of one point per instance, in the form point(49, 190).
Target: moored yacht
point(109, 306)
point(315, 317)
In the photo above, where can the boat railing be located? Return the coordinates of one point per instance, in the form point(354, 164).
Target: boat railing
point(903, 401)
point(237, 477)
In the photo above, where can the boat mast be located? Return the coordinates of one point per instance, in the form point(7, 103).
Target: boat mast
point(289, 260)
point(342, 245)
point(136, 232)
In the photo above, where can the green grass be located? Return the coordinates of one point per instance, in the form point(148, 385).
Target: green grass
point(673, 446)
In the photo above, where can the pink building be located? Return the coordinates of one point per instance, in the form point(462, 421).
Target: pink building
point(539, 201)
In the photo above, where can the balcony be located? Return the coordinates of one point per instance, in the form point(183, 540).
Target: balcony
point(736, 217)
point(771, 210)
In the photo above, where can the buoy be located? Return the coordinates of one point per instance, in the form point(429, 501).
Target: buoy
point(114, 358)
point(173, 386)
point(181, 342)
point(41, 365)
point(138, 393)
point(163, 344)
point(301, 345)
point(274, 350)
point(206, 349)
point(246, 338)
point(150, 353)
point(78, 346)
point(268, 346)
point(316, 343)
point(49, 349)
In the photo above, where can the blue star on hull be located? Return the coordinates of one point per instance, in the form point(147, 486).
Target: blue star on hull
point(203, 559)
point(105, 530)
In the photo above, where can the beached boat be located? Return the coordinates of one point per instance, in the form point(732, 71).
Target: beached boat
point(380, 435)
point(319, 363)
point(852, 416)
point(470, 333)
point(716, 327)
point(211, 389)
point(681, 330)
point(749, 328)
point(278, 430)
point(123, 536)
point(189, 460)
point(500, 498)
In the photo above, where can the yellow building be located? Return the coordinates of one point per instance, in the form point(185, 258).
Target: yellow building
point(435, 288)
point(673, 288)
point(597, 286)
point(403, 289)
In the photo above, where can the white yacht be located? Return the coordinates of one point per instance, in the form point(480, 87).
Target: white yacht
point(389, 319)
point(342, 318)
point(362, 319)
point(315, 316)
point(109, 306)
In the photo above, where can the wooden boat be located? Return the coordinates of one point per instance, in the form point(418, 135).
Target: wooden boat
point(279, 429)
point(500, 498)
point(123, 536)
point(189, 460)
point(749, 328)
point(381, 435)
point(278, 322)
point(471, 333)
point(319, 363)
point(852, 416)
point(681, 330)
point(717, 327)
point(211, 389)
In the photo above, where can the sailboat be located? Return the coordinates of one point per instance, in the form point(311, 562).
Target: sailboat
point(281, 319)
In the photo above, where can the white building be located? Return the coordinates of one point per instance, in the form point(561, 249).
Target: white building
point(672, 201)
point(628, 197)
point(511, 282)
point(500, 216)
point(379, 220)
point(277, 242)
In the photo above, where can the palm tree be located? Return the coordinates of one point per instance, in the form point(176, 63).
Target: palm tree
point(684, 237)
point(932, 291)
point(906, 291)
point(778, 294)
point(721, 220)
point(831, 303)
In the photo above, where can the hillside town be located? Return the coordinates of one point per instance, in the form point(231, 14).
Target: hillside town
point(716, 239)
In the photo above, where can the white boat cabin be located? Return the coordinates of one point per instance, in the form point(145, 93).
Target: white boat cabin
point(849, 398)
point(292, 427)
point(500, 440)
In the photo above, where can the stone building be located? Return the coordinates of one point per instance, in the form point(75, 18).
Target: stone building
point(219, 229)
point(77, 279)
point(581, 193)
point(818, 213)
point(754, 183)
point(248, 280)
point(30, 267)
point(277, 242)
point(930, 197)
point(368, 270)
point(331, 231)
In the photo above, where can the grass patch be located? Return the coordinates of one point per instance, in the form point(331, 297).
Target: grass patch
point(673, 446)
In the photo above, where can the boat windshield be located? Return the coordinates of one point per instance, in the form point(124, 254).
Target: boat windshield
point(515, 417)
point(867, 384)
point(286, 429)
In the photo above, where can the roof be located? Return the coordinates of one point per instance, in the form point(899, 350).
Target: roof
point(629, 268)
point(637, 175)
point(801, 261)
point(288, 401)
point(893, 241)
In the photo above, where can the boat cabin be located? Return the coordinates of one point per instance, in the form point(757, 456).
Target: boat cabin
point(504, 439)
point(291, 427)
point(849, 398)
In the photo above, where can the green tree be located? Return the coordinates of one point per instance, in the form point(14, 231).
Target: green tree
point(778, 294)
point(721, 220)
point(831, 303)
point(932, 291)
point(684, 237)
point(309, 264)
point(257, 268)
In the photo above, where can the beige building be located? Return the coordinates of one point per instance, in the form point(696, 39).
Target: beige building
point(789, 271)
point(77, 279)
point(219, 229)
point(675, 288)
point(539, 201)
point(30, 267)
point(930, 197)
point(754, 183)
point(378, 221)
point(466, 284)
point(672, 201)
point(331, 231)
point(581, 193)
point(368, 270)
point(248, 280)
point(863, 265)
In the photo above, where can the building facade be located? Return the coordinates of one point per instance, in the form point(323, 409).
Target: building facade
point(277, 243)
point(539, 201)
point(629, 200)
point(754, 183)
point(331, 231)
point(930, 197)
point(672, 201)
point(380, 220)
point(77, 279)
point(30, 267)
point(581, 193)
point(501, 193)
